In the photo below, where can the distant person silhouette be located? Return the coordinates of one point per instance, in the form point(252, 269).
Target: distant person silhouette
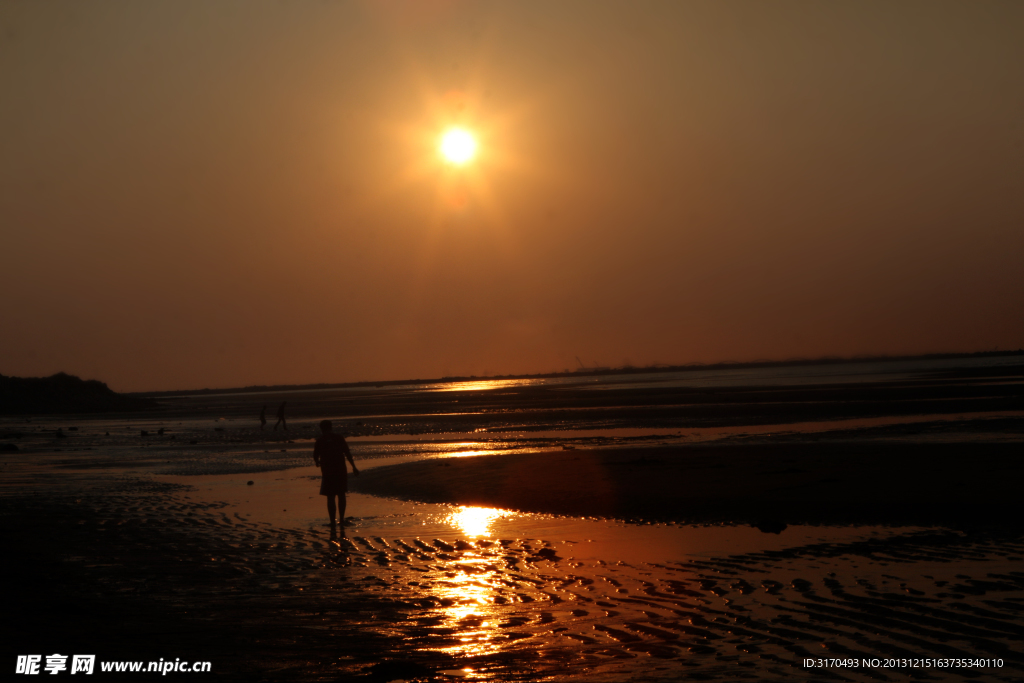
point(280, 417)
point(263, 418)
point(329, 454)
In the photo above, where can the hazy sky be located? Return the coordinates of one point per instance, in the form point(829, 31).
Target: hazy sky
point(224, 193)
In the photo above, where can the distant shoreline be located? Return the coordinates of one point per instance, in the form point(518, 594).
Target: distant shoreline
point(583, 372)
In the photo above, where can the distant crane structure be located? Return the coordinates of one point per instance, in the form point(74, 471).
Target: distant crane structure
point(584, 368)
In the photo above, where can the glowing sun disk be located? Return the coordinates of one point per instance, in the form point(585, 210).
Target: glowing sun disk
point(458, 146)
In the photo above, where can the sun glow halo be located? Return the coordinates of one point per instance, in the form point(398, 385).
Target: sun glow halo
point(458, 146)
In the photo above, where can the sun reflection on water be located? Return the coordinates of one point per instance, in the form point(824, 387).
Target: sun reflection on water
point(471, 591)
point(475, 521)
point(483, 384)
point(469, 598)
point(466, 454)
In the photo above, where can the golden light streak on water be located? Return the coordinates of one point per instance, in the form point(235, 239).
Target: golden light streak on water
point(470, 592)
point(475, 521)
point(483, 384)
point(465, 454)
point(470, 588)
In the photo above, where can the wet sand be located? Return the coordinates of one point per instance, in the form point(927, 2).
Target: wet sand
point(146, 546)
point(952, 484)
point(136, 570)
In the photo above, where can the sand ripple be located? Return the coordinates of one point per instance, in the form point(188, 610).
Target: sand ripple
point(526, 609)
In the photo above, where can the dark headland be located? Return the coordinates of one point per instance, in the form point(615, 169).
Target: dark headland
point(64, 394)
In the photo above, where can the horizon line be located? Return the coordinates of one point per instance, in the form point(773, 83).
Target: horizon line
point(581, 372)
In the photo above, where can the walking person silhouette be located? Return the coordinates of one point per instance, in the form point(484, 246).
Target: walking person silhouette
point(280, 417)
point(263, 418)
point(329, 454)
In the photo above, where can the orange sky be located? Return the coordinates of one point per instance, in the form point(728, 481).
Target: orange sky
point(199, 194)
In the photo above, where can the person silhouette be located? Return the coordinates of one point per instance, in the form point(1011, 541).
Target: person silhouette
point(263, 418)
point(280, 417)
point(329, 454)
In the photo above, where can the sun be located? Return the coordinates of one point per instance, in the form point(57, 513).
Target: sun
point(458, 146)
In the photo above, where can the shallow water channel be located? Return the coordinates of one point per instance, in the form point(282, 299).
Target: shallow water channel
point(289, 498)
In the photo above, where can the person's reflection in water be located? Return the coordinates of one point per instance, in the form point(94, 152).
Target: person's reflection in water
point(329, 454)
point(280, 417)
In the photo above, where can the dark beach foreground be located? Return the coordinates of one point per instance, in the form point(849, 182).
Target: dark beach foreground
point(133, 571)
point(130, 570)
point(918, 571)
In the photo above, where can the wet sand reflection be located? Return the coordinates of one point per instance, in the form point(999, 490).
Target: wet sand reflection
point(488, 605)
point(476, 521)
point(472, 587)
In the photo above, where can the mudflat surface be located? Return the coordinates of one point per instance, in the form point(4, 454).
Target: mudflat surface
point(134, 571)
point(127, 537)
point(157, 574)
point(871, 482)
